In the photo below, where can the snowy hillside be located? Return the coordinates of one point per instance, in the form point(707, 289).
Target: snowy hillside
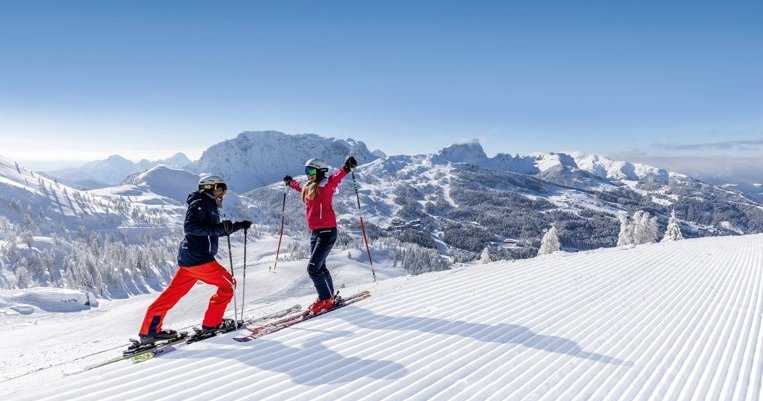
point(54, 207)
point(161, 180)
point(256, 159)
point(672, 321)
point(112, 171)
point(55, 235)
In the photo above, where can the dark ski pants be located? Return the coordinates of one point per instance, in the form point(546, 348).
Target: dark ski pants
point(321, 242)
point(185, 277)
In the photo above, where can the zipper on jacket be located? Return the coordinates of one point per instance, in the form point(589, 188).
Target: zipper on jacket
point(210, 243)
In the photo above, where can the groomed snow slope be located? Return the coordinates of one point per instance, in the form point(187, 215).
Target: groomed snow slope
point(674, 321)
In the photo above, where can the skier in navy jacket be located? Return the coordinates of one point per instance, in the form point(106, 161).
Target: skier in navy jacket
point(196, 261)
point(317, 195)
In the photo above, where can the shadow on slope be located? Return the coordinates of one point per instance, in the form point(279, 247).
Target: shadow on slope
point(310, 364)
point(500, 333)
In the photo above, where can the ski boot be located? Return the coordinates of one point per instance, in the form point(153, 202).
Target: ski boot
point(320, 306)
point(164, 335)
point(205, 332)
point(145, 343)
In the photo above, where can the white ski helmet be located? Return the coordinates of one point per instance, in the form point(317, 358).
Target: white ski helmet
point(212, 182)
point(316, 166)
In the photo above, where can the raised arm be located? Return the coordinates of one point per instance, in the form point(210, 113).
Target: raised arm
point(349, 164)
point(290, 182)
point(335, 178)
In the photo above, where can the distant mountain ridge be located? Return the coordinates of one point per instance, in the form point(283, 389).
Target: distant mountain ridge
point(257, 158)
point(601, 166)
point(112, 171)
point(459, 199)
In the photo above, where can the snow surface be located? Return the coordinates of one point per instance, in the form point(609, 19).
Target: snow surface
point(32, 315)
point(672, 321)
point(46, 299)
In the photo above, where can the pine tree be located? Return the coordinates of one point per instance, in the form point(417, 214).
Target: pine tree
point(485, 256)
point(22, 277)
point(47, 259)
point(673, 232)
point(644, 228)
point(641, 229)
point(625, 237)
point(550, 242)
point(15, 205)
point(27, 238)
point(652, 232)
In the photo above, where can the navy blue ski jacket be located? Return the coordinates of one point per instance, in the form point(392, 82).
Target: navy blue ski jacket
point(202, 226)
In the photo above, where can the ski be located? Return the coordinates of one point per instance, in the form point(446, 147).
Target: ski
point(288, 321)
point(137, 353)
point(199, 335)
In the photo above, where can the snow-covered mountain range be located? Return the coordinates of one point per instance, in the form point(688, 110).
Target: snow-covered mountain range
point(256, 159)
point(461, 199)
point(458, 202)
point(112, 171)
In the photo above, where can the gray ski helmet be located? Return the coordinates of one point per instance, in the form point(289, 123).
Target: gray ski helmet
point(212, 182)
point(316, 166)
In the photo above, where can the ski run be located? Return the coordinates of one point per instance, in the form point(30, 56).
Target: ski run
point(669, 321)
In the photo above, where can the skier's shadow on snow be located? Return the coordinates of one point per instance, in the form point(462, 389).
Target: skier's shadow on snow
point(501, 333)
point(312, 363)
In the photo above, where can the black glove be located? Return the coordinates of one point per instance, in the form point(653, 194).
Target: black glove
point(350, 163)
point(287, 179)
point(242, 225)
point(228, 226)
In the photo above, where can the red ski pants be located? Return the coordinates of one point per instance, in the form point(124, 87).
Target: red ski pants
point(211, 273)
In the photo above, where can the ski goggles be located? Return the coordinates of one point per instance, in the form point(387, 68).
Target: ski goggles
point(311, 170)
point(221, 186)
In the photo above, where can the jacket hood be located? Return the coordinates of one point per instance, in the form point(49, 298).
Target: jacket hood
point(195, 196)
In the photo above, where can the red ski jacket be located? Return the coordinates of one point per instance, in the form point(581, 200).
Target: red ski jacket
point(320, 213)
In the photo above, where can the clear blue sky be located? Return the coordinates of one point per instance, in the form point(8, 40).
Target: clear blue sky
point(151, 78)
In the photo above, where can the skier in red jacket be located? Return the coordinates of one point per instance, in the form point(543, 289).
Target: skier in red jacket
point(317, 196)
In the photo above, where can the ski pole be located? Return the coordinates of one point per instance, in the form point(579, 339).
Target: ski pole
point(235, 306)
point(362, 226)
point(243, 294)
point(283, 212)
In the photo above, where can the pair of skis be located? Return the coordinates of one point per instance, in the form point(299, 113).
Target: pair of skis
point(257, 331)
point(257, 327)
point(137, 353)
